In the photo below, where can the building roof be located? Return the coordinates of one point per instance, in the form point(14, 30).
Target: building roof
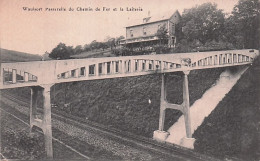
point(150, 19)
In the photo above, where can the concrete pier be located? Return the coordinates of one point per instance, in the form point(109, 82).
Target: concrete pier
point(45, 123)
point(186, 104)
point(160, 134)
point(33, 106)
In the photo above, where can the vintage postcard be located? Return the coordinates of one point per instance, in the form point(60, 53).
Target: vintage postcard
point(129, 80)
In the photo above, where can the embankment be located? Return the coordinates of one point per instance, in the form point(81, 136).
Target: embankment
point(232, 130)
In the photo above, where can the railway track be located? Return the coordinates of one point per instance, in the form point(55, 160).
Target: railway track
point(171, 151)
point(55, 139)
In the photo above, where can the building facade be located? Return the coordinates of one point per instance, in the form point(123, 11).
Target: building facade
point(143, 33)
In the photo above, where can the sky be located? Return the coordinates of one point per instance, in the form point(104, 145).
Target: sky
point(43, 29)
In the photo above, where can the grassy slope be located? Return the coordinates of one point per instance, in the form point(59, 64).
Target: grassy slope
point(15, 56)
point(94, 54)
point(232, 129)
point(123, 102)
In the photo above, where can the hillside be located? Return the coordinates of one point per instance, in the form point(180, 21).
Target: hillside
point(123, 103)
point(15, 56)
point(93, 54)
point(232, 130)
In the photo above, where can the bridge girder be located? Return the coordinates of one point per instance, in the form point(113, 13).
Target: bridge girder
point(22, 74)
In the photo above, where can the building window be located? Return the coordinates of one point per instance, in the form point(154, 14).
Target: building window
point(82, 71)
point(173, 28)
point(173, 40)
point(91, 70)
point(144, 30)
point(131, 33)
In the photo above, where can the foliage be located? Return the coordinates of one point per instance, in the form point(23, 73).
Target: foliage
point(195, 46)
point(203, 23)
point(161, 49)
point(117, 52)
point(242, 27)
point(111, 43)
point(78, 49)
point(128, 52)
point(205, 28)
point(162, 34)
point(61, 51)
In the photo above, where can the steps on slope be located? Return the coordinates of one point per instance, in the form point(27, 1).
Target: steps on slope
point(205, 105)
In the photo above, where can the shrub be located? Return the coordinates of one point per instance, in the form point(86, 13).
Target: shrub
point(162, 49)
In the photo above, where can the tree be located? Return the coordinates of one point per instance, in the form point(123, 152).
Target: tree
point(78, 49)
point(231, 33)
point(111, 43)
point(86, 47)
point(162, 34)
point(93, 45)
point(245, 20)
point(103, 45)
point(61, 51)
point(203, 23)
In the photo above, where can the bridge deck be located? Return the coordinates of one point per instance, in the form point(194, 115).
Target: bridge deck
point(21, 74)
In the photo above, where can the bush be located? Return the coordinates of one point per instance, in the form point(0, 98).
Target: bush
point(121, 52)
point(162, 49)
point(195, 46)
point(129, 52)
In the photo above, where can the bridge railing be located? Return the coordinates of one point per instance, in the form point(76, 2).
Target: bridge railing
point(57, 71)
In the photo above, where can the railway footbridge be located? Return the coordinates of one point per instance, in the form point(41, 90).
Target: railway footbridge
point(40, 76)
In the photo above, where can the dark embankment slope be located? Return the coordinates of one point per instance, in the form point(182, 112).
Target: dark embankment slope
point(123, 103)
point(232, 129)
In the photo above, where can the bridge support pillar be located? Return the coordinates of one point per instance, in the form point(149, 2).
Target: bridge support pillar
point(162, 108)
point(45, 123)
point(47, 120)
point(33, 106)
point(14, 72)
point(186, 104)
point(160, 134)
